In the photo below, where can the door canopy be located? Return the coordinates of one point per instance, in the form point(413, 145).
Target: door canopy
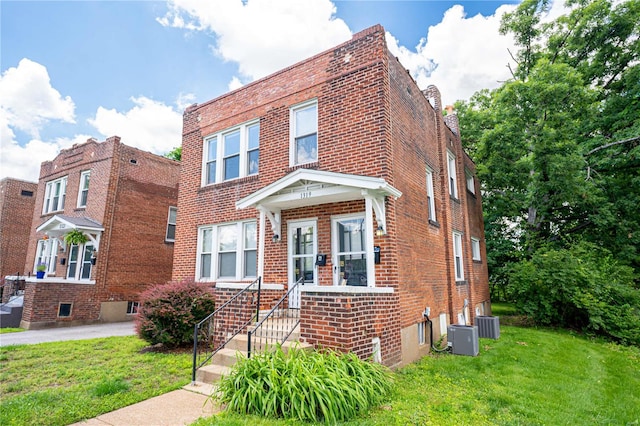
point(308, 187)
point(59, 225)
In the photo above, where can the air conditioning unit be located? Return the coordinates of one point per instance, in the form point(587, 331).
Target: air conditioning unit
point(463, 339)
point(488, 326)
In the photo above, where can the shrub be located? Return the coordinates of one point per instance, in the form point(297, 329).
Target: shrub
point(581, 287)
point(304, 386)
point(168, 312)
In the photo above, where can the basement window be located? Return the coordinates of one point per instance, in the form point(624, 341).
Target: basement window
point(132, 308)
point(422, 333)
point(64, 310)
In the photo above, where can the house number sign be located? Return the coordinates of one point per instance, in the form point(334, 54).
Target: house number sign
point(305, 194)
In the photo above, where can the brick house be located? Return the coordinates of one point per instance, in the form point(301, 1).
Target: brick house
point(17, 200)
point(338, 170)
point(124, 201)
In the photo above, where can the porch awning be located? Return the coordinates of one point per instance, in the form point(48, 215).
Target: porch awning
point(59, 225)
point(308, 187)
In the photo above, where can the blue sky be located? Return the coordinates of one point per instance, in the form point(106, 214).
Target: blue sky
point(71, 70)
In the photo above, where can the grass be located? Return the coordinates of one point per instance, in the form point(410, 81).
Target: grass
point(529, 376)
point(65, 382)
point(10, 330)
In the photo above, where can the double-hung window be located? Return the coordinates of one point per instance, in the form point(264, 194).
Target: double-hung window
point(304, 133)
point(227, 251)
point(232, 153)
point(451, 171)
point(83, 190)
point(471, 181)
point(475, 249)
point(171, 224)
point(54, 195)
point(457, 256)
point(431, 203)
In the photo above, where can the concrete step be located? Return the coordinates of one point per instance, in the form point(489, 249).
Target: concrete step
point(211, 373)
point(227, 357)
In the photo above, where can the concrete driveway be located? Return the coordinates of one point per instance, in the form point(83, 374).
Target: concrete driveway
point(82, 332)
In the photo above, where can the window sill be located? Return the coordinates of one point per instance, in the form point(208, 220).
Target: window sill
point(477, 261)
point(230, 182)
point(345, 289)
point(434, 223)
point(243, 285)
point(454, 199)
point(58, 280)
point(473, 194)
point(461, 283)
point(312, 165)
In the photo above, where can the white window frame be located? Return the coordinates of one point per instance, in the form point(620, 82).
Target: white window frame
point(241, 250)
point(85, 181)
point(451, 171)
point(475, 249)
point(471, 181)
point(170, 223)
point(133, 307)
point(47, 252)
point(47, 205)
point(431, 200)
point(458, 265)
point(219, 157)
point(293, 132)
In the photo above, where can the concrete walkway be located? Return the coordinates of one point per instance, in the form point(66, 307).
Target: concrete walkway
point(82, 332)
point(180, 407)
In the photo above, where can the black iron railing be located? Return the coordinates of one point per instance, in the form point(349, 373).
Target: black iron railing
point(277, 325)
point(232, 317)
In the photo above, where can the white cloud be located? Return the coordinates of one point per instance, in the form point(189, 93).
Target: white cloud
point(23, 162)
point(149, 125)
point(261, 36)
point(28, 101)
point(184, 100)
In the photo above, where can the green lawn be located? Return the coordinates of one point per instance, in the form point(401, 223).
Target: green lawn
point(527, 377)
point(64, 382)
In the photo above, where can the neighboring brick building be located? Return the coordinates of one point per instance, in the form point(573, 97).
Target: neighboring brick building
point(340, 155)
point(17, 200)
point(123, 200)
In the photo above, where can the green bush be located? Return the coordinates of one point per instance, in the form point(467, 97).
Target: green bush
point(582, 287)
point(304, 386)
point(169, 312)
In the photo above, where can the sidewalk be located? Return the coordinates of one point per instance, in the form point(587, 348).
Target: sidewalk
point(81, 332)
point(180, 407)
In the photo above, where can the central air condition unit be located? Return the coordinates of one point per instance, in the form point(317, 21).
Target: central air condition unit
point(488, 326)
point(463, 339)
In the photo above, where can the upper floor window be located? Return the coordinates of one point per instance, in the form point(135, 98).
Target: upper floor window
point(227, 251)
point(471, 181)
point(171, 224)
point(231, 154)
point(431, 204)
point(457, 256)
point(304, 133)
point(451, 171)
point(475, 249)
point(54, 195)
point(83, 191)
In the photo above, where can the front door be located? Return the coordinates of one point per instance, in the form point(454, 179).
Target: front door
point(303, 246)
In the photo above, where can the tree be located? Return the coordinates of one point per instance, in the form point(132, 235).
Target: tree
point(557, 147)
point(175, 153)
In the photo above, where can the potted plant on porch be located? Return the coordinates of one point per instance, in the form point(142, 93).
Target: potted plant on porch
point(40, 270)
point(75, 237)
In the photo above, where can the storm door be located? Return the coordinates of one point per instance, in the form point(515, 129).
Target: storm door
point(350, 261)
point(302, 249)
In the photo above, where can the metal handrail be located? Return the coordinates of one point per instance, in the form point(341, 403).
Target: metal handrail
point(282, 323)
point(210, 335)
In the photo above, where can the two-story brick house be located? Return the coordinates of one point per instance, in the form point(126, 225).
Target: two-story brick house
point(341, 171)
point(124, 202)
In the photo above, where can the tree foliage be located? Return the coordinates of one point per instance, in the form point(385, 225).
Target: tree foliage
point(558, 146)
point(175, 153)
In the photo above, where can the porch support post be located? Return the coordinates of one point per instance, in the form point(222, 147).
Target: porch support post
point(263, 224)
point(368, 223)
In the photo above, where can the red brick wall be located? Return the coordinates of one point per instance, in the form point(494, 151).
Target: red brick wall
point(16, 211)
point(42, 301)
point(348, 322)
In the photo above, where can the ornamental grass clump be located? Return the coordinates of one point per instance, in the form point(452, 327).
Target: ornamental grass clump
point(322, 386)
